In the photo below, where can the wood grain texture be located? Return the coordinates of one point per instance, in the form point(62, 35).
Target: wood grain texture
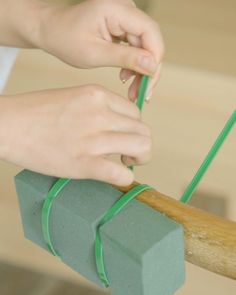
point(210, 241)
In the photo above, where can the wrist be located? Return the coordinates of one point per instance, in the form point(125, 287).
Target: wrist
point(21, 24)
point(32, 20)
point(49, 20)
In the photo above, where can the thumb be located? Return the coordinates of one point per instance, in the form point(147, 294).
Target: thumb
point(128, 57)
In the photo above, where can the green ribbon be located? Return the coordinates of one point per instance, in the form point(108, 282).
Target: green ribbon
point(187, 195)
point(112, 212)
point(142, 92)
point(141, 97)
point(46, 210)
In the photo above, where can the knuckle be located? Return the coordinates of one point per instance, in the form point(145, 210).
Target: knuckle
point(150, 24)
point(114, 26)
point(147, 130)
point(156, 26)
point(146, 144)
point(160, 51)
point(97, 93)
point(128, 60)
point(101, 119)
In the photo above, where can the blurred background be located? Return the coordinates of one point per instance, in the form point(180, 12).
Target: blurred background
point(195, 97)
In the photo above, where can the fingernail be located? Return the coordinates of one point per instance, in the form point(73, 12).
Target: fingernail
point(124, 80)
point(148, 63)
point(149, 96)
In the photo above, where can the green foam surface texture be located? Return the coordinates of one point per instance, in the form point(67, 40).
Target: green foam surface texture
point(143, 249)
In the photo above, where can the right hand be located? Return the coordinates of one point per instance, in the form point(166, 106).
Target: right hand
point(92, 34)
point(70, 132)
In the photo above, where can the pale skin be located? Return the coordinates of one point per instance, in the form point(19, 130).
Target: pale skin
point(71, 132)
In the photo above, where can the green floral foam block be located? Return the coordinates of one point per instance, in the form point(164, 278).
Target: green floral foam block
point(143, 249)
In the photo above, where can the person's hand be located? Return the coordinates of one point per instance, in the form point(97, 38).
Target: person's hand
point(71, 132)
point(89, 35)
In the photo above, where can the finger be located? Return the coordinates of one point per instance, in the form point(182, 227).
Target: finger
point(121, 143)
point(126, 74)
point(152, 84)
point(123, 106)
point(133, 40)
point(121, 123)
point(105, 170)
point(129, 57)
point(134, 88)
point(134, 21)
point(129, 161)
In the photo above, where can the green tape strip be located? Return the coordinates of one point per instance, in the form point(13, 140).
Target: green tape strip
point(209, 158)
point(141, 97)
point(46, 210)
point(142, 92)
point(112, 212)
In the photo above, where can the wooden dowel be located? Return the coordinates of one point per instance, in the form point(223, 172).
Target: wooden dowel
point(210, 241)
